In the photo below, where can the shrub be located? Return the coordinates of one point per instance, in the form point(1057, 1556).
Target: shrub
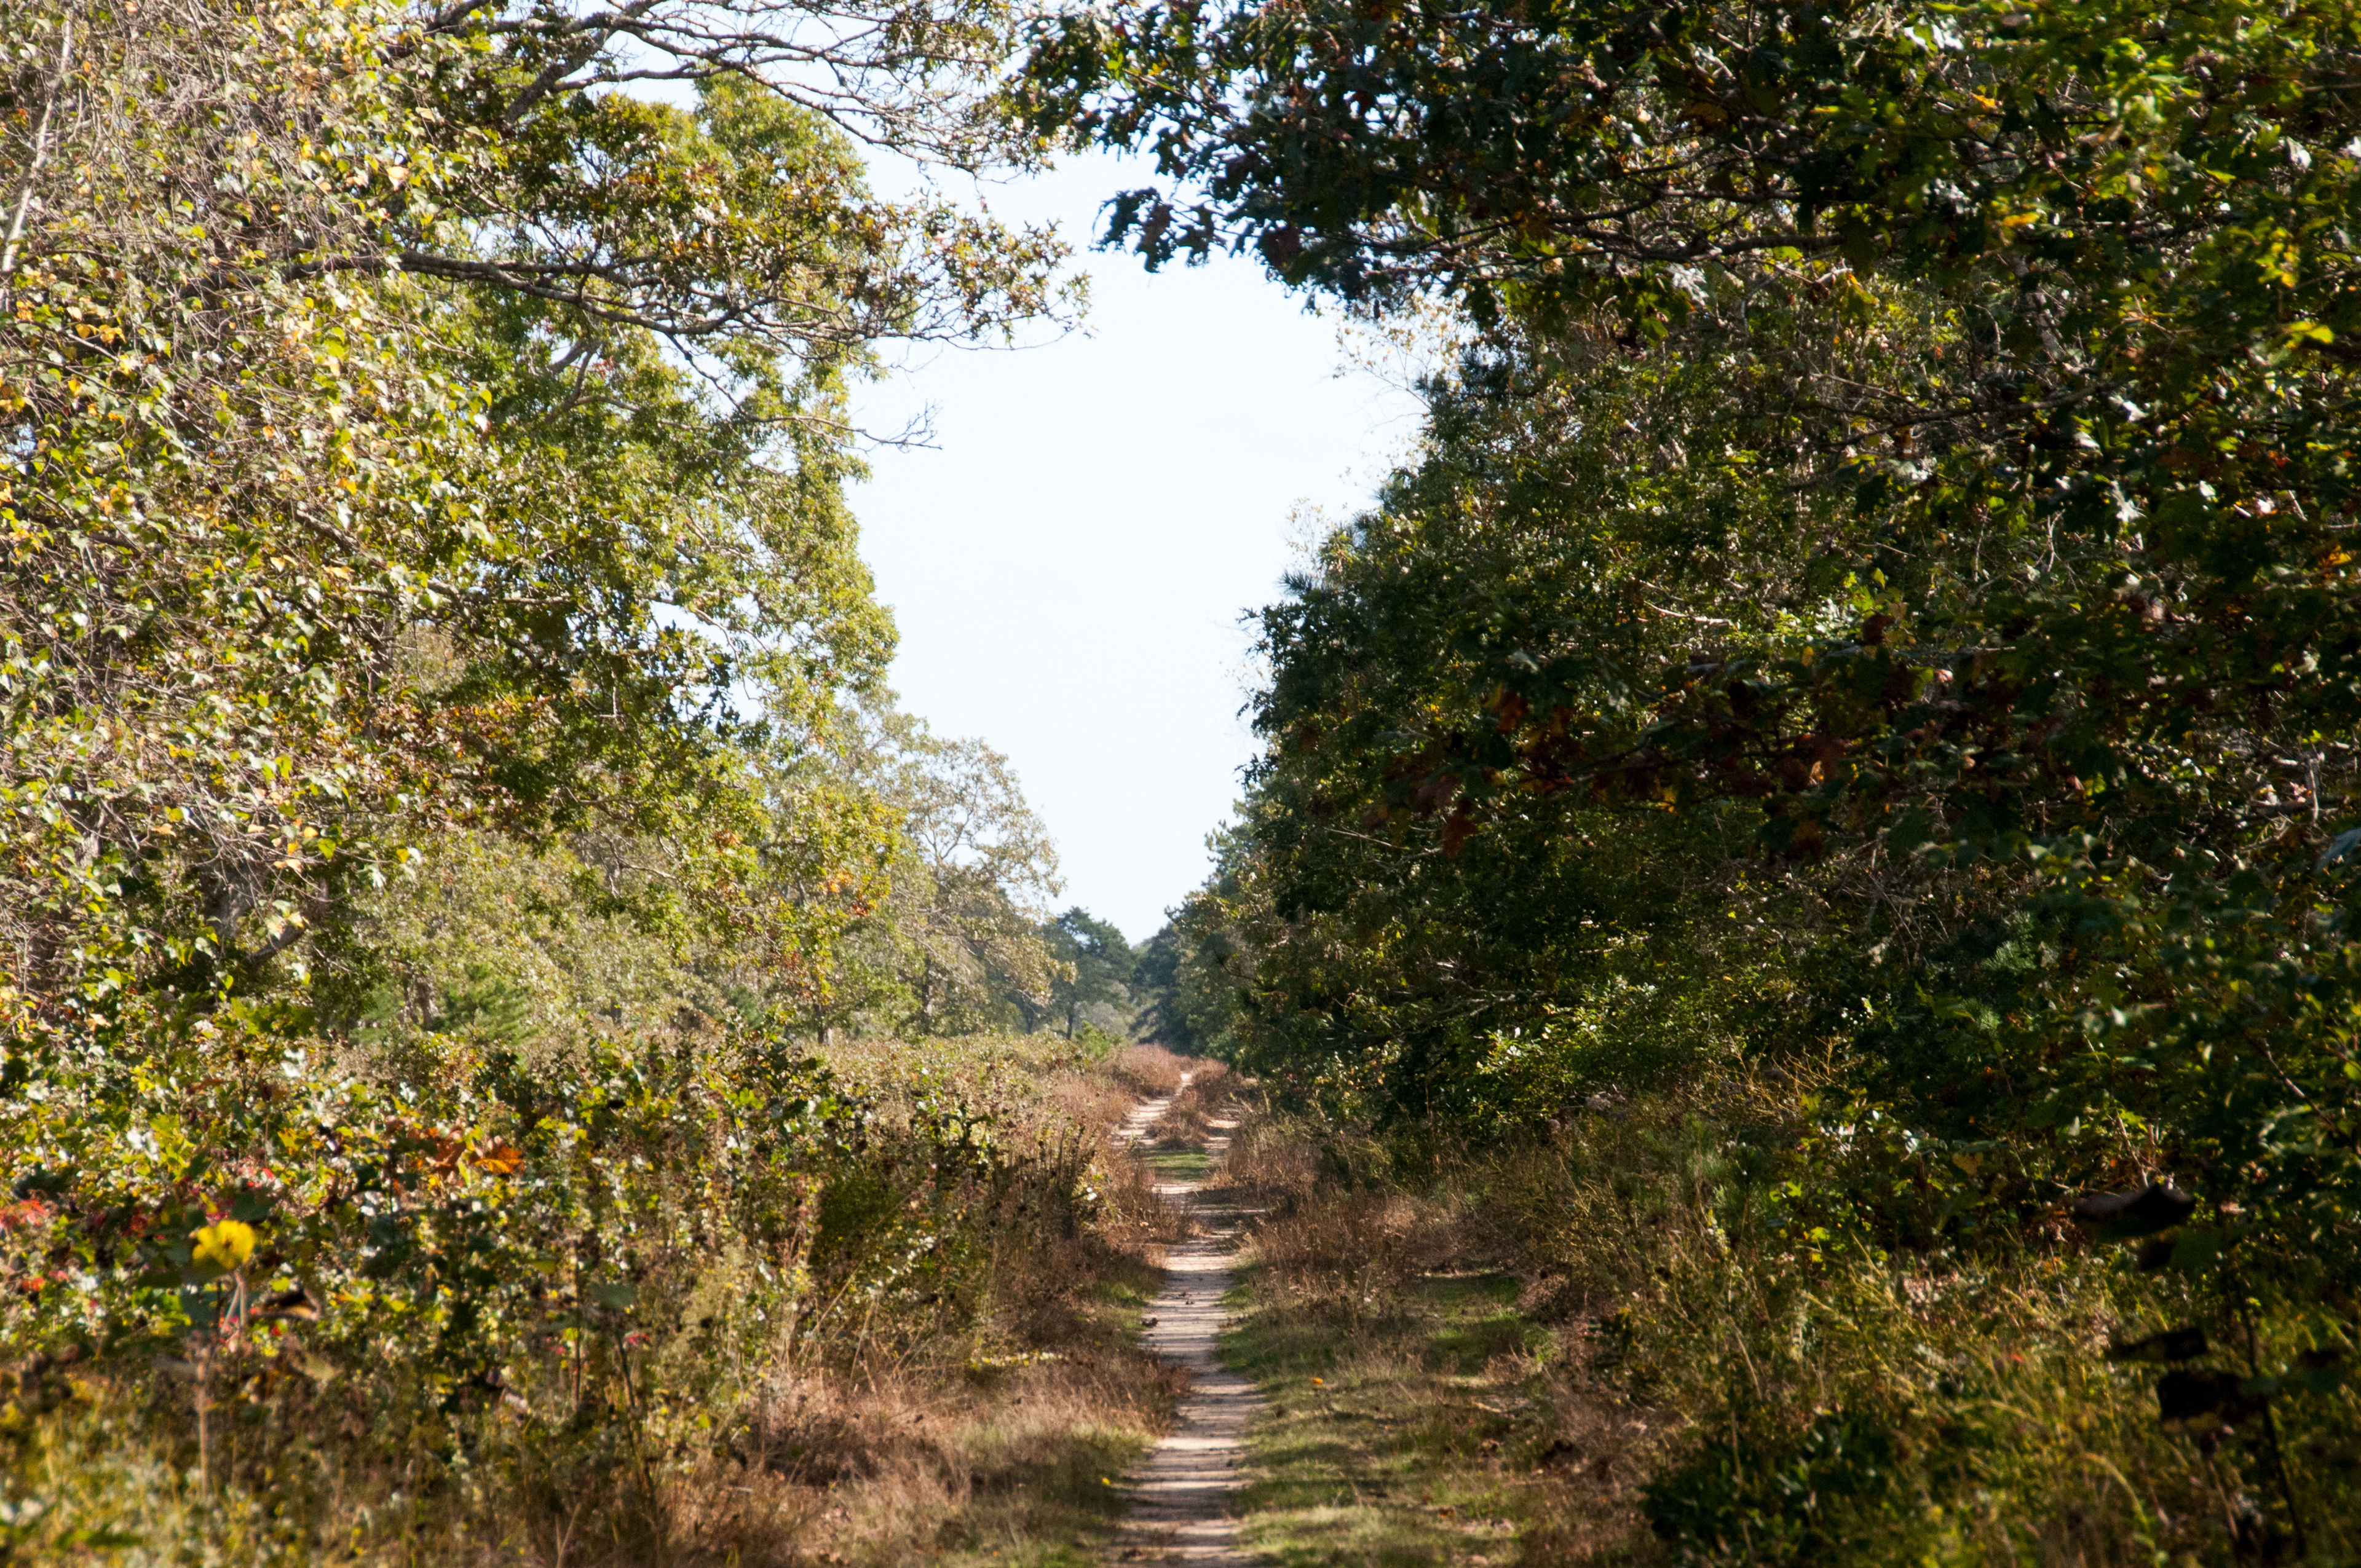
point(490, 1293)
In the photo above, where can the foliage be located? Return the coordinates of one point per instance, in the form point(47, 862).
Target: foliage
point(431, 615)
point(1155, 975)
point(1187, 971)
point(1098, 963)
point(955, 945)
point(513, 1284)
point(1875, 592)
point(313, 552)
point(1672, 1343)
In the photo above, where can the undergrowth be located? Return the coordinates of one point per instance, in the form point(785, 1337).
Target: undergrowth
point(1420, 1413)
point(1652, 1336)
point(876, 1308)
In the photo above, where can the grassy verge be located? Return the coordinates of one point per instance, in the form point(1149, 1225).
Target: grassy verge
point(1418, 1413)
point(1591, 1350)
point(1383, 1452)
point(1178, 1165)
point(996, 1444)
point(1005, 1461)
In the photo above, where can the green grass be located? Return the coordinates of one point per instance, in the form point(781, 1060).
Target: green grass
point(1045, 1501)
point(1395, 1439)
point(1130, 1293)
point(1183, 1165)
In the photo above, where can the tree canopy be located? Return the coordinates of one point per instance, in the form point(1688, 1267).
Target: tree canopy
point(1866, 652)
point(1912, 445)
point(1873, 601)
point(1097, 965)
point(431, 637)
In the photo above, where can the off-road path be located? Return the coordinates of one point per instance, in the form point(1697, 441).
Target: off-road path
point(1180, 1498)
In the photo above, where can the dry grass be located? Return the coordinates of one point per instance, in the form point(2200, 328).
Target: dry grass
point(1274, 1162)
point(1149, 1071)
point(1004, 1456)
point(1133, 1217)
point(1559, 1337)
point(1004, 1463)
point(1187, 1122)
point(964, 1383)
point(1094, 1099)
point(1419, 1416)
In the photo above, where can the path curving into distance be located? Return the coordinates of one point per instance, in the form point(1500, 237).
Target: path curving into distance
point(1180, 1498)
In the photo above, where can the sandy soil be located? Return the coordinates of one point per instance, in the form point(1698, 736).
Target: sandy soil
point(1180, 1498)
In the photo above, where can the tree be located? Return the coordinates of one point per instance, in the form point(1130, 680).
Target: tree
point(1193, 974)
point(443, 444)
point(950, 939)
point(1156, 975)
point(984, 863)
point(1094, 965)
point(1914, 439)
point(1873, 600)
point(429, 608)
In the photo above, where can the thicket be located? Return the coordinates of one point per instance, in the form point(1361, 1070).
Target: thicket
point(1836, 756)
point(695, 1297)
point(452, 810)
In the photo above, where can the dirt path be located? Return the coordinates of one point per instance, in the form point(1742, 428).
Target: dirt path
point(1178, 1499)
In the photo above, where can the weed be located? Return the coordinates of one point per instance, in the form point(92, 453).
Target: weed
point(1618, 1342)
point(1149, 1071)
point(935, 1359)
point(1418, 1415)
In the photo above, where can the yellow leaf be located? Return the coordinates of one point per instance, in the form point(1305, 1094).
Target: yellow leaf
point(223, 1248)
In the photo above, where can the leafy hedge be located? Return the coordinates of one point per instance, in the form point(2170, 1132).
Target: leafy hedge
point(491, 1287)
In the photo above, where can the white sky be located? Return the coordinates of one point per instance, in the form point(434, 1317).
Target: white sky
point(1068, 563)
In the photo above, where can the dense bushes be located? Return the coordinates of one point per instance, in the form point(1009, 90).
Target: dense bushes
point(448, 790)
point(531, 1292)
point(1702, 1357)
point(1870, 619)
point(1858, 1396)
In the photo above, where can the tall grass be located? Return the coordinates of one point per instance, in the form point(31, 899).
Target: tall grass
point(1765, 1385)
point(1149, 1071)
point(932, 1357)
point(1187, 1120)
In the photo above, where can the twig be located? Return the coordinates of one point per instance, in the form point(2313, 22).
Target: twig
point(40, 153)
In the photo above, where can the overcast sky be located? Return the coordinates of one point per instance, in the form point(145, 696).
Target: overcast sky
point(1069, 561)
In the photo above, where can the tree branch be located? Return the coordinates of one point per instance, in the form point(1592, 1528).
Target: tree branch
point(40, 153)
